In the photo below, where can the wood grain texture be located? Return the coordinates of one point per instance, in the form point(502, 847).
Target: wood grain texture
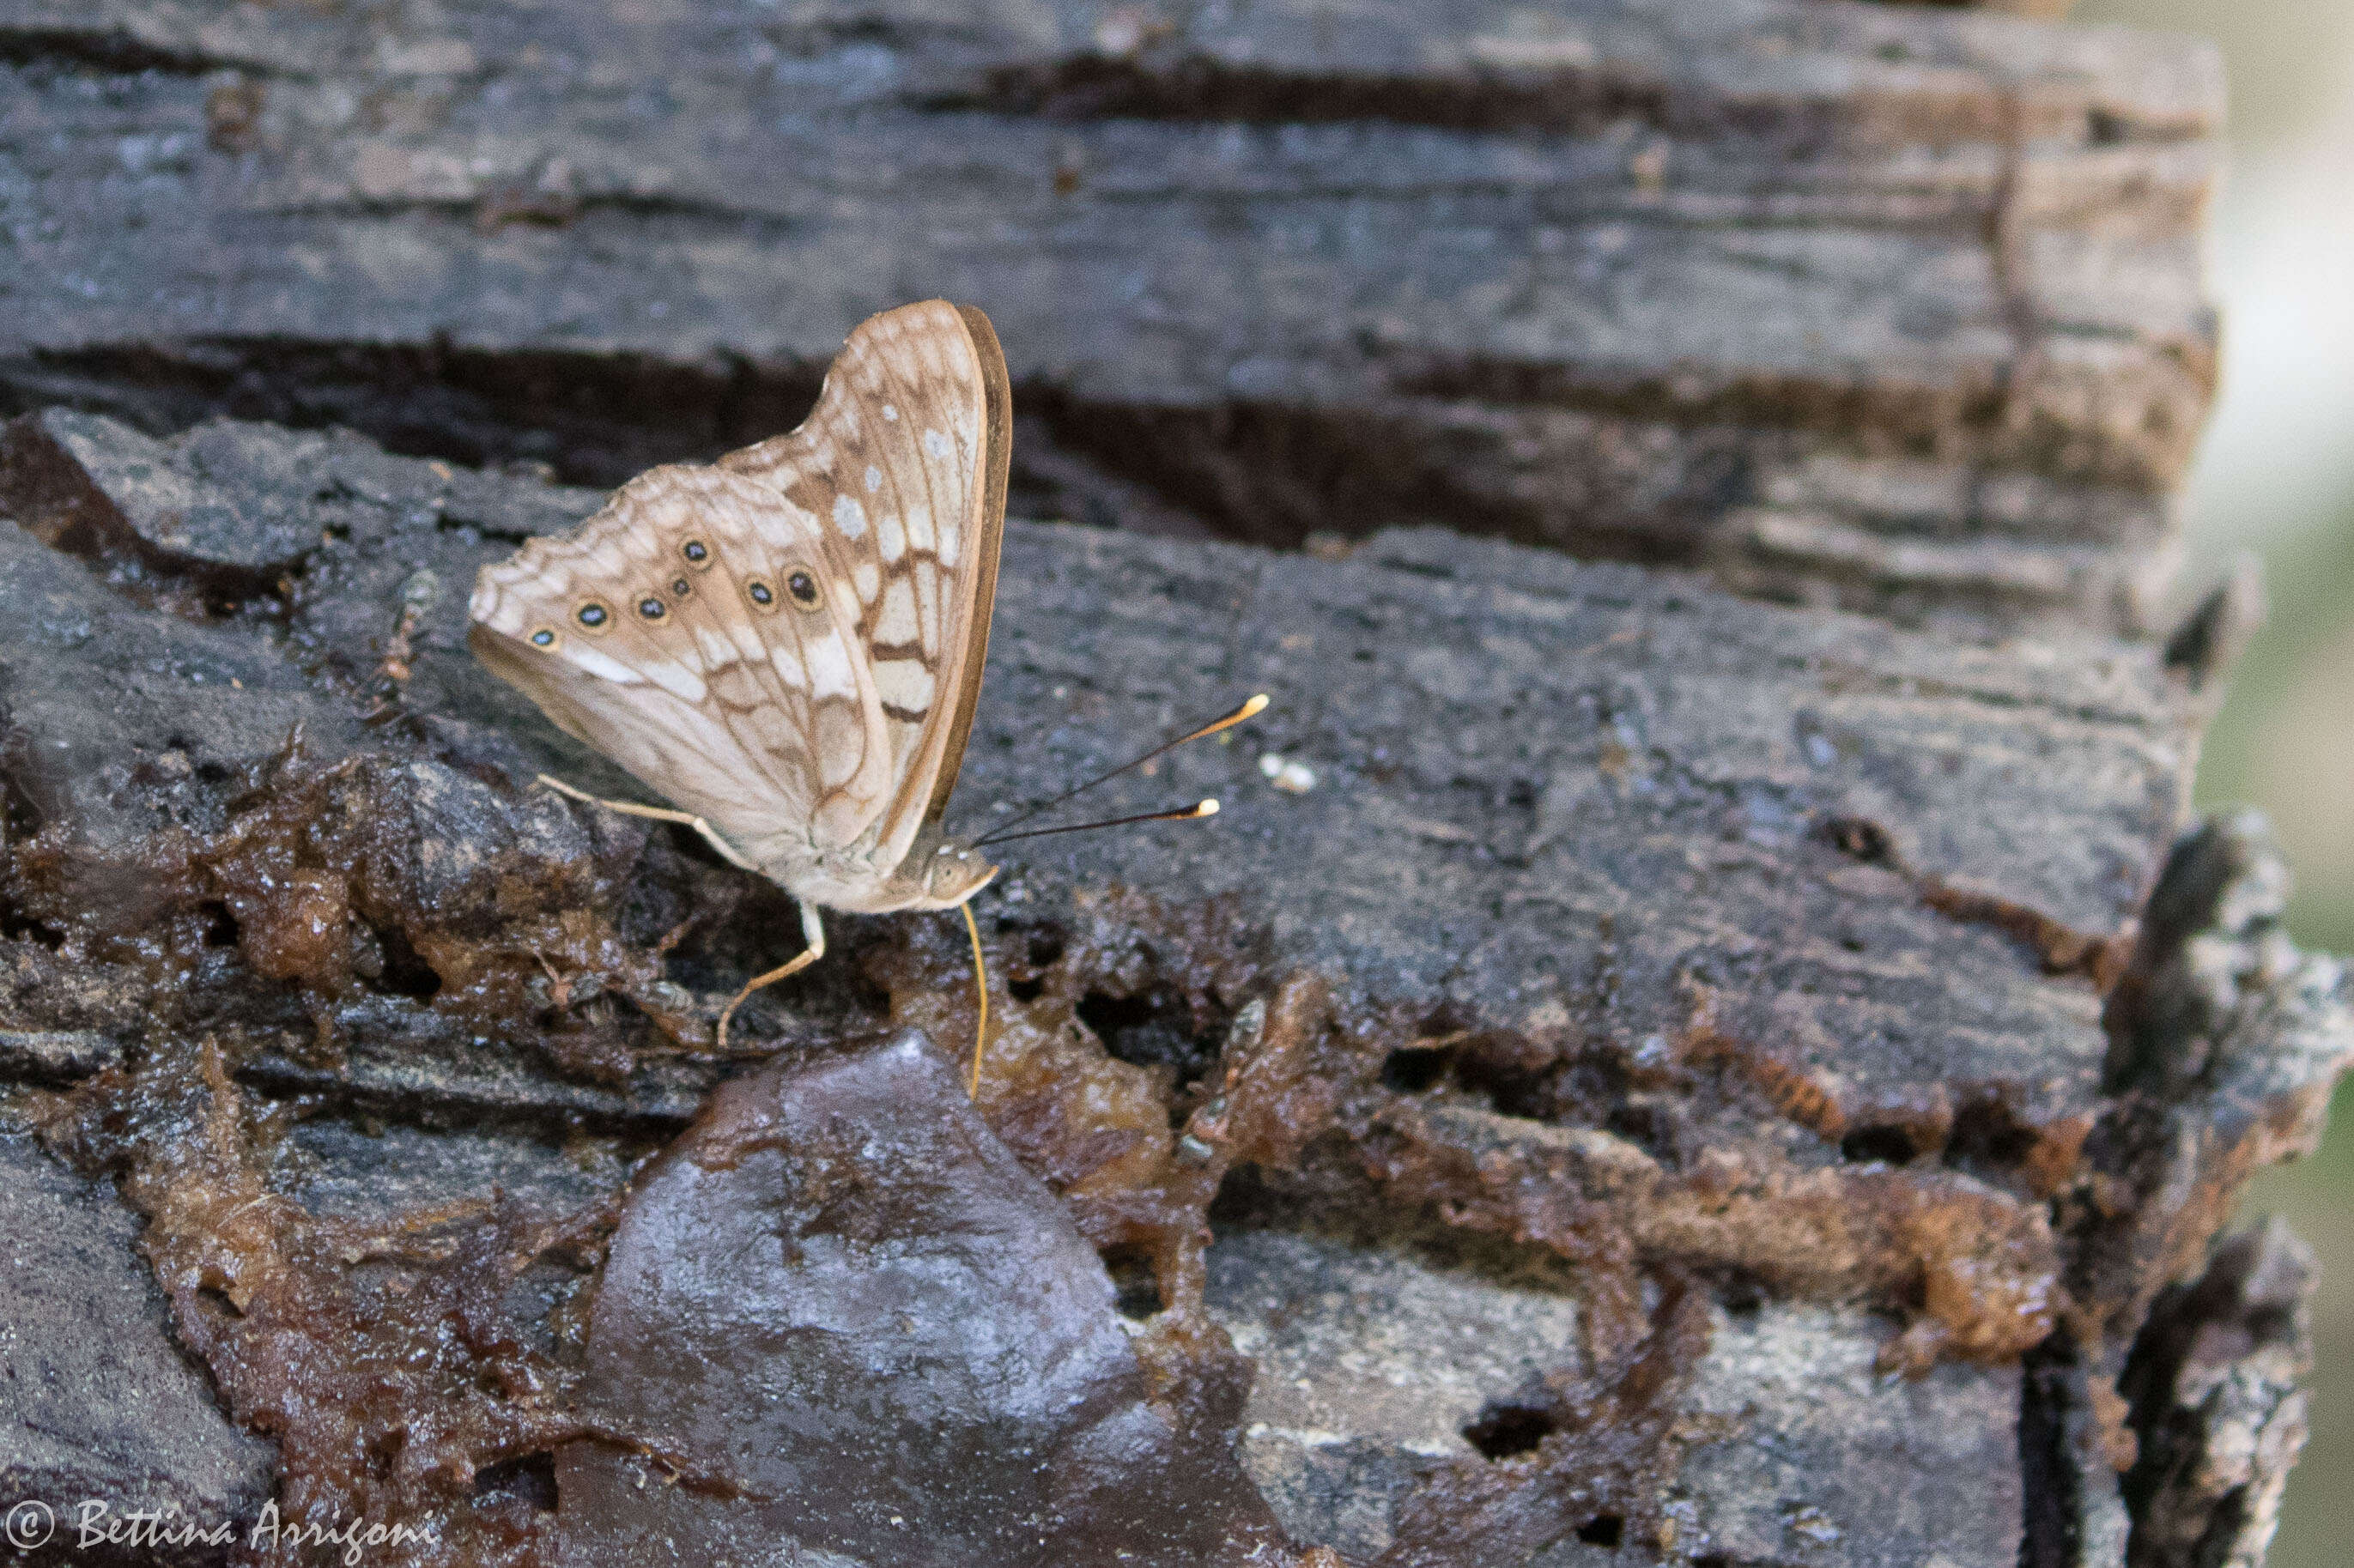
point(1765, 947)
point(1892, 307)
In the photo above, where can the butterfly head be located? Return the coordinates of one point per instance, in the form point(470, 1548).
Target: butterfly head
point(941, 872)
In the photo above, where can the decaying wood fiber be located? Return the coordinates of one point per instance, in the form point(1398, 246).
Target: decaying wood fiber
point(1722, 994)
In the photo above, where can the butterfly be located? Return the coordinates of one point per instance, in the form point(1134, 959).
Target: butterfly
point(787, 643)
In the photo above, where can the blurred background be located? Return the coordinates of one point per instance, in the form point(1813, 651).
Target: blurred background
point(2276, 477)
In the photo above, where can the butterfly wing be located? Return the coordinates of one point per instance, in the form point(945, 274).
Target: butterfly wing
point(906, 454)
point(789, 644)
point(666, 634)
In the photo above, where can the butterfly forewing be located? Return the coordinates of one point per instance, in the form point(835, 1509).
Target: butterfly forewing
point(789, 644)
point(906, 455)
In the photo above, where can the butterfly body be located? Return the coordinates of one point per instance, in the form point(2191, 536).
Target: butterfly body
point(787, 643)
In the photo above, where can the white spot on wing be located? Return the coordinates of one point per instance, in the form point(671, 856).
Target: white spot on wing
point(950, 541)
point(676, 679)
point(789, 665)
point(874, 477)
point(603, 667)
point(890, 413)
point(920, 527)
point(867, 577)
point(898, 619)
point(829, 667)
point(936, 445)
point(927, 588)
point(849, 516)
point(890, 538)
point(904, 684)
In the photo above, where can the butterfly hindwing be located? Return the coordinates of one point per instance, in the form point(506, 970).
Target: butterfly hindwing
point(761, 717)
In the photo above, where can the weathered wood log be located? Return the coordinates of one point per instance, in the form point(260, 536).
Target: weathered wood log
point(1896, 308)
point(1713, 1006)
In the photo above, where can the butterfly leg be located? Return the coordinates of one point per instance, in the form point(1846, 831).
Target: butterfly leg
point(727, 852)
point(813, 932)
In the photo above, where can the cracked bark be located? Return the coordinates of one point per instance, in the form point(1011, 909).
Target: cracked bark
point(1571, 980)
point(1667, 1015)
point(1898, 309)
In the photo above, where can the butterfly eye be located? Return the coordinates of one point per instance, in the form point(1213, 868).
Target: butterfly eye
point(762, 596)
point(804, 587)
point(594, 616)
point(544, 638)
point(697, 554)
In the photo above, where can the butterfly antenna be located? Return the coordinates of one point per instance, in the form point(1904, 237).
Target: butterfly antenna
point(1199, 809)
point(1251, 709)
point(980, 990)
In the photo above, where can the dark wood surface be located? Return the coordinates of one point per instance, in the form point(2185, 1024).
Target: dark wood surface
point(1739, 1055)
point(1895, 307)
point(1631, 925)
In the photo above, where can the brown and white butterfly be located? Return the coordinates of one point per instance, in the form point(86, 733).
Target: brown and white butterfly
point(787, 643)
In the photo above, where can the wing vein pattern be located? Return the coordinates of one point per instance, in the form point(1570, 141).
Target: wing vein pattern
point(788, 641)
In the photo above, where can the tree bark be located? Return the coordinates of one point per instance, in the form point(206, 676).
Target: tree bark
point(1898, 309)
point(1731, 1053)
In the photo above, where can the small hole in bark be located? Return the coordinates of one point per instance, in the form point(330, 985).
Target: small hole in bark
point(1988, 1134)
point(1511, 1089)
point(1244, 1201)
point(17, 927)
point(220, 926)
point(530, 1478)
point(1603, 1529)
point(1112, 1016)
point(217, 1300)
point(1644, 1126)
point(1886, 1145)
point(406, 973)
point(1136, 1289)
point(1743, 1298)
point(1024, 990)
point(1504, 1430)
point(1861, 838)
point(1713, 1560)
point(1414, 1069)
point(1151, 1031)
